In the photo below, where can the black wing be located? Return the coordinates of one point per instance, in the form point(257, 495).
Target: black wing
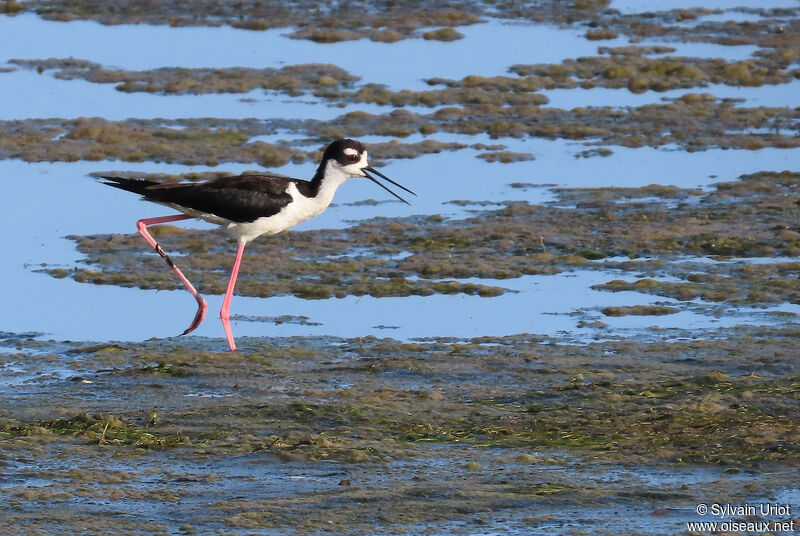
point(243, 198)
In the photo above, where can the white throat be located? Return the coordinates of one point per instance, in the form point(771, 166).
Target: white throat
point(334, 175)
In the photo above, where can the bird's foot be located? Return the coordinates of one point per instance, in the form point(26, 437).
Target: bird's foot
point(199, 316)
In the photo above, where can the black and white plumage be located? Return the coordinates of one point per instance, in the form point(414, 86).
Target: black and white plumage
point(251, 205)
point(248, 206)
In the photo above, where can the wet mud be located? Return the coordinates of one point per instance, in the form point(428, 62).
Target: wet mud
point(329, 434)
point(623, 67)
point(293, 79)
point(693, 122)
point(377, 21)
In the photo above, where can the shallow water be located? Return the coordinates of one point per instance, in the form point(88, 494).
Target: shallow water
point(543, 304)
point(43, 96)
point(65, 309)
point(149, 47)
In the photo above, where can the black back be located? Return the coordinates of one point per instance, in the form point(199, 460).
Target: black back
point(243, 198)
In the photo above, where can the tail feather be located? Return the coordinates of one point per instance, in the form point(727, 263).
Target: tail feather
point(137, 186)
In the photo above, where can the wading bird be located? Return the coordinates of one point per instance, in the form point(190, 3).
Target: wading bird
point(249, 206)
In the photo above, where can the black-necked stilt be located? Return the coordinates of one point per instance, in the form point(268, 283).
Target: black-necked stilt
point(249, 206)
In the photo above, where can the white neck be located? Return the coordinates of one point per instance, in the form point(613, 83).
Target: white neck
point(333, 177)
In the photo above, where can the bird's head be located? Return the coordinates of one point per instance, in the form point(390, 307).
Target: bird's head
point(349, 158)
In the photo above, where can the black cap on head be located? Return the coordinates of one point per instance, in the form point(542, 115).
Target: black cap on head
point(336, 150)
point(347, 152)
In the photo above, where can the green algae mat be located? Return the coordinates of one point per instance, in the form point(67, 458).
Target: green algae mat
point(348, 435)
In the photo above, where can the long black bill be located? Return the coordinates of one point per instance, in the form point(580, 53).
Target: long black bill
point(367, 170)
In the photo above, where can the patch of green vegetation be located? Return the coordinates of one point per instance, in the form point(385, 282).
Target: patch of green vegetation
point(100, 139)
point(322, 24)
point(168, 369)
point(695, 122)
point(542, 488)
point(599, 35)
point(102, 429)
point(10, 7)
point(633, 70)
point(600, 151)
point(291, 79)
point(443, 34)
point(472, 96)
point(736, 284)
point(599, 197)
point(506, 157)
point(634, 50)
point(387, 27)
point(640, 310)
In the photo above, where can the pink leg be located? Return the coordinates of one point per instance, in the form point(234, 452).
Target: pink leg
point(225, 312)
point(141, 225)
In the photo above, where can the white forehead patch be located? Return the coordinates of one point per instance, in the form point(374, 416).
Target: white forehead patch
point(349, 151)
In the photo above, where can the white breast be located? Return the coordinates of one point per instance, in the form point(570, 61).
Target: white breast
point(300, 209)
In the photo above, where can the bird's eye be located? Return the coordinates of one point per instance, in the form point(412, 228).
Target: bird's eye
point(353, 157)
